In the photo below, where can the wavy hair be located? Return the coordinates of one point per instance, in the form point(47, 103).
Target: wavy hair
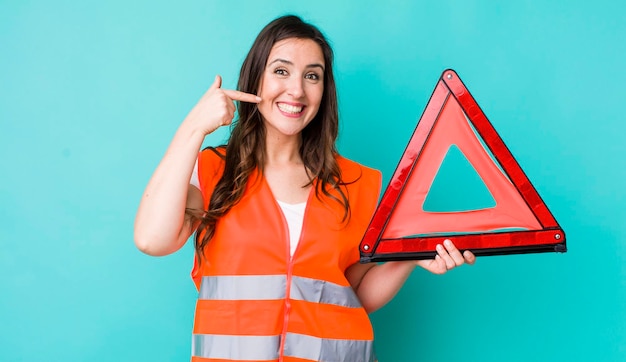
point(246, 146)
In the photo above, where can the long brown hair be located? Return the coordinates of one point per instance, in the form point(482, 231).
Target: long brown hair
point(246, 146)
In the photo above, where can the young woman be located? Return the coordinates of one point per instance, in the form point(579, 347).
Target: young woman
point(277, 243)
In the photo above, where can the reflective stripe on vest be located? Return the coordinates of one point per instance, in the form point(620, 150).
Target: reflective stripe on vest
point(239, 348)
point(320, 291)
point(322, 349)
point(242, 348)
point(243, 287)
point(272, 287)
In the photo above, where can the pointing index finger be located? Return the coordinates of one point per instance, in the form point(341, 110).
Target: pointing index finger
point(242, 96)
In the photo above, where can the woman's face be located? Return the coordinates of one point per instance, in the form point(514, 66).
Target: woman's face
point(291, 86)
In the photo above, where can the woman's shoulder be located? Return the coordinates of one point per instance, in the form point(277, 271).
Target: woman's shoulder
point(214, 151)
point(211, 161)
point(212, 155)
point(352, 171)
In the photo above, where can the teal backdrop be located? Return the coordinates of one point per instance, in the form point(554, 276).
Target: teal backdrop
point(91, 93)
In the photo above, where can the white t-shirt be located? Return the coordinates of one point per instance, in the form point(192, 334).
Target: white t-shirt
point(195, 180)
point(294, 214)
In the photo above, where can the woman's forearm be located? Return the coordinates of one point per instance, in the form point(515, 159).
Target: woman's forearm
point(382, 282)
point(160, 224)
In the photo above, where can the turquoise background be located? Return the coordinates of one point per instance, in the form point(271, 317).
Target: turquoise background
point(91, 93)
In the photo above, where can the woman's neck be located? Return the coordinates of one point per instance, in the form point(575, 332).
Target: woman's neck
point(282, 150)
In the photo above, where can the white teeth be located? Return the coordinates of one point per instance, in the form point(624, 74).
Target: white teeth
point(289, 108)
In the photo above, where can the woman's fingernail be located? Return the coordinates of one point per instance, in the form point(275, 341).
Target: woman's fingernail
point(447, 242)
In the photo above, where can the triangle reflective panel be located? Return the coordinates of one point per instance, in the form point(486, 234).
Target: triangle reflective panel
point(408, 223)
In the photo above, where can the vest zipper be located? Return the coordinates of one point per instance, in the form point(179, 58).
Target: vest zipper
point(289, 259)
point(287, 310)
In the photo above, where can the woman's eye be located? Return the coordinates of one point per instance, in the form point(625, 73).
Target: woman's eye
point(280, 71)
point(312, 76)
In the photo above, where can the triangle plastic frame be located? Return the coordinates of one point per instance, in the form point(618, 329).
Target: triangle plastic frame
point(541, 232)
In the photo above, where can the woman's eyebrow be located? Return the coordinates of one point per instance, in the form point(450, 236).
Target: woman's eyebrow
point(284, 61)
point(316, 65)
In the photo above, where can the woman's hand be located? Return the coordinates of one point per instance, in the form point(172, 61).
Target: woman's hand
point(217, 107)
point(448, 257)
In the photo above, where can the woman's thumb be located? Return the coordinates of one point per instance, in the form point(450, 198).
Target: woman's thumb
point(217, 82)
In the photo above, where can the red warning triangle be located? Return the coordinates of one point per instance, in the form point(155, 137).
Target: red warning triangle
point(520, 222)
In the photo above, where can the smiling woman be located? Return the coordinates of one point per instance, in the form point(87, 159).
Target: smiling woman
point(278, 213)
point(291, 87)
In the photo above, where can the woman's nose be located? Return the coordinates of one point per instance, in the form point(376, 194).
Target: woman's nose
point(295, 88)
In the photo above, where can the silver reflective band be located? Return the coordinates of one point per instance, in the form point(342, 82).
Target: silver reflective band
point(237, 348)
point(320, 291)
point(320, 349)
point(243, 287)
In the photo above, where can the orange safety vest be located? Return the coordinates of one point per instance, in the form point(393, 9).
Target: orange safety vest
point(256, 302)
